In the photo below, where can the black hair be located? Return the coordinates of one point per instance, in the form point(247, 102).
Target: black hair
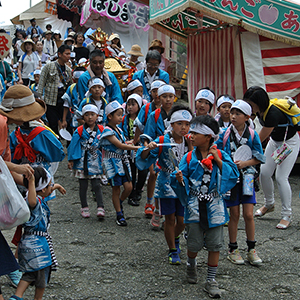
point(63, 48)
point(76, 36)
point(259, 96)
point(153, 54)
point(39, 172)
point(97, 52)
point(178, 107)
point(209, 121)
point(48, 25)
point(210, 104)
point(79, 68)
point(118, 43)
point(23, 33)
point(2, 30)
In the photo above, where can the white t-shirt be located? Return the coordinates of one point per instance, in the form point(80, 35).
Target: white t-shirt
point(29, 64)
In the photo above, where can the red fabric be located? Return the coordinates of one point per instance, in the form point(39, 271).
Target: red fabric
point(207, 162)
point(17, 235)
point(23, 148)
point(157, 113)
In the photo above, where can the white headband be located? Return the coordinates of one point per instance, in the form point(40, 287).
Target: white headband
point(181, 115)
point(166, 89)
point(242, 106)
point(205, 94)
point(203, 129)
point(41, 185)
point(133, 85)
point(90, 107)
point(112, 106)
point(224, 99)
point(96, 81)
point(8, 104)
point(37, 72)
point(137, 98)
point(156, 84)
point(77, 74)
point(73, 54)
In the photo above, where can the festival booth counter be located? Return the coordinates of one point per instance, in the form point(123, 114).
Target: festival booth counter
point(234, 44)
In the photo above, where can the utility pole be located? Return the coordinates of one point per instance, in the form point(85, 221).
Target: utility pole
point(29, 3)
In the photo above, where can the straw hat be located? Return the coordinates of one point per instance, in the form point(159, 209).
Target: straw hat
point(48, 32)
point(28, 41)
point(157, 43)
point(72, 34)
point(135, 50)
point(69, 39)
point(19, 104)
point(113, 36)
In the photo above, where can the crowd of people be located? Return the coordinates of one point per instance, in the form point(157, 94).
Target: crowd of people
point(191, 161)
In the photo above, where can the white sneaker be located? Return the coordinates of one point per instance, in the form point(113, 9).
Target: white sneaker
point(253, 258)
point(235, 257)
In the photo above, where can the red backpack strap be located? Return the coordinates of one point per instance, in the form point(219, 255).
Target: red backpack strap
point(23, 148)
point(123, 120)
point(147, 111)
point(251, 133)
point(160, 140)
point(80, 130)
point(101, 128)
point(189, 157)
point(157, 114)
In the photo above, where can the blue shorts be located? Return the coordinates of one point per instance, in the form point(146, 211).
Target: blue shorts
point(169, 206)
point(118, 180)
point(241, 199)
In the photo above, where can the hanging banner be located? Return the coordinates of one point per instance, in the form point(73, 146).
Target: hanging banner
point(275, 19)
point(51, 8)
point(126, 12)
point(68, 4)
point(5, 44)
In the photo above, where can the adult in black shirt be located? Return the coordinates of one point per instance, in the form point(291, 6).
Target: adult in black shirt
point(79, 49)
point(275, 124)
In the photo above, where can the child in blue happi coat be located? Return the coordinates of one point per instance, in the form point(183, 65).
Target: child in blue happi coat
point(224, 103)
point(207, 174)
point(204, 101)
point(35, 250)
point(157, 123)
point(133, 105)
point(85, 158)
point(170, 206)
point(115, 162)
point(36, 77)
point(71, 100)
point(240, 134)
point(96, 97)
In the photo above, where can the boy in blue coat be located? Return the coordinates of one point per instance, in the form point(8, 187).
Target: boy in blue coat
point(201, 195)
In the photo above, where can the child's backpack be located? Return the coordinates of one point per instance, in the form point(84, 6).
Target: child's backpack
point(147, 111)
point(80, 129)
point(289, 107)
point(227, 133)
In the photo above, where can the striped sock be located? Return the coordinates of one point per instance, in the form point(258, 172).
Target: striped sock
point(211, 272)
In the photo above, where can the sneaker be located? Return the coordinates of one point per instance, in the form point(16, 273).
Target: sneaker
point(138, 196)
point(212, 288)
point(177, 245)
point(133, 202)
point(14, 278)
point(14, 297)
point(174, 258)
point(149, 208)
point(121, 221)
point(103, 180)
point(253, 258)
point(155, 221)
point(85, 212)
point(235, 257)
point(191, 274)
point(100, 212)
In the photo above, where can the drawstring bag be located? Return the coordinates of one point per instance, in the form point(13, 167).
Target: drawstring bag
point(14, 210)
point(282, 152)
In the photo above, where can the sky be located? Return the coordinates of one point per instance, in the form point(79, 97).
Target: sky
point(12, 8)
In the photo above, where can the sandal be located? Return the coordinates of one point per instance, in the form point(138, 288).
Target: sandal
point(284, 226)
point(259, 212)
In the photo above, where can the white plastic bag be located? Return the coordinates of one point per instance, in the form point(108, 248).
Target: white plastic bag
point(14, 210)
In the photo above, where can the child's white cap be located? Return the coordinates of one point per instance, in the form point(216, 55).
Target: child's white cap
point(42, 184)
point(73, 55)
point(166, 89)
point(242, 106)
point(205, 94)
point(77, 74)
point(137, 98)
point(90, 107)
point(96, 81)
point(112, 106)
point(37, 72)
point(133, 85)
point(224, 99)
point(156, 84)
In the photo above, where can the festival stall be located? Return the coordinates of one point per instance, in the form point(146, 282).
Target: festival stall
point(233, 44)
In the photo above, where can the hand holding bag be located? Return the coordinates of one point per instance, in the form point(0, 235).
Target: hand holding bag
point(14, 210)
point(282, 152)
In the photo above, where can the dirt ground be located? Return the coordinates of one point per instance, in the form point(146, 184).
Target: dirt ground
point(99, 260)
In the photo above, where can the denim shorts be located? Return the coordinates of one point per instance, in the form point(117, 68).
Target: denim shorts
point(118, 180)
point(169, 206)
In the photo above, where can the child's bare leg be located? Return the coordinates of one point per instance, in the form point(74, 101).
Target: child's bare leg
point(151, 182)
point(127, 190)
point(169, 230)
point(249, 221)
point(233, 223)
point(116, 198)
point(39, 292)
point(21, 288)
point(191, 254)
point(179, 227)
point(213, 258)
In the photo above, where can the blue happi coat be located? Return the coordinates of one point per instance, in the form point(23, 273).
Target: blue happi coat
point(33, 249)
point(142, 117)
point(72, 97)
point(78, 146)
point(193, 172)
